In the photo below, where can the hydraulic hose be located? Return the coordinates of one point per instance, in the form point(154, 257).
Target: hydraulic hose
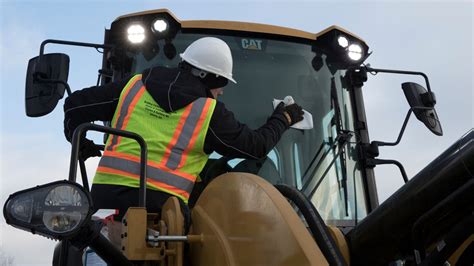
point(315, 223)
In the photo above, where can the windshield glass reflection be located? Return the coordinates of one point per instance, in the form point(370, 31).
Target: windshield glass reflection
point(271, 69)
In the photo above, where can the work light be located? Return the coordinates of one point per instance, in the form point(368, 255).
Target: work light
point(354, 52)
point(342, 41)
point(56, 210)
point(136, 33)
point(160, 25)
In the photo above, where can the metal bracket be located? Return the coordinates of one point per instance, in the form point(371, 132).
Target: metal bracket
point(356, 76)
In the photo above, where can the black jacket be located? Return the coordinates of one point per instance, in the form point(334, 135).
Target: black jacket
point(173, 89)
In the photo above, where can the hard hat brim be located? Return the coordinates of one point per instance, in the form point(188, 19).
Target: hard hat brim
point(197, 65)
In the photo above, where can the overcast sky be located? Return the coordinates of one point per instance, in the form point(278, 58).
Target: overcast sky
point(433, 37)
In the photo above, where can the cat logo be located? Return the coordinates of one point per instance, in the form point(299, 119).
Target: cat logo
point(252, 44)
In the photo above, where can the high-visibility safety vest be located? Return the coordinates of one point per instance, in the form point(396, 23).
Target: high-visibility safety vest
point(175, 142)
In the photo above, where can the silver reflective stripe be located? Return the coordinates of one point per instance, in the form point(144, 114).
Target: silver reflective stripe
point(186, 133)
point(154, 173)
point(124, 111)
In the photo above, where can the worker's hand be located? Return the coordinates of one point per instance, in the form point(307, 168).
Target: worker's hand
point(88, 149)
point(294, 113)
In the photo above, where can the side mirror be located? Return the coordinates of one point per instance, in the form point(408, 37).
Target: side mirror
point(46, 81)
point(423, 103)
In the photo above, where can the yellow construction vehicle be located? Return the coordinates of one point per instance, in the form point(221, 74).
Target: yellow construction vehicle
point(311, 201)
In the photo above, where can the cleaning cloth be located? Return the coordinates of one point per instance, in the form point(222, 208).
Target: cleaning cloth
point(306, 123)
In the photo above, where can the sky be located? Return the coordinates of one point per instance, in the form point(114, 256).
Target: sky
point(435, 37)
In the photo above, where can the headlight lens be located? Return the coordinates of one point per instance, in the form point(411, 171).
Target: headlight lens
point(68, 201)
point(136, 33)
point(22, 209)
point(354, 52)
point(343, 41)
point(160, 25)
point(55, 210)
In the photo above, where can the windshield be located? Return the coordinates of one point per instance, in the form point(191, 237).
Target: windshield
point(310, 160)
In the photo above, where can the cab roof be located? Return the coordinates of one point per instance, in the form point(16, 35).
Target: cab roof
point(242, 26)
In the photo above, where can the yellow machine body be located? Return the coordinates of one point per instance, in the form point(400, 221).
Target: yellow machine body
point(244, 220)
point(239, 219)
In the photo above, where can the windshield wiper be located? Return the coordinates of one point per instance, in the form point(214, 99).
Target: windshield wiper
point(342, 139)
point(342, 182)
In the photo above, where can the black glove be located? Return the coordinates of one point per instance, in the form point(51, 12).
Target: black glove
point(88, 149)
point(294, 112)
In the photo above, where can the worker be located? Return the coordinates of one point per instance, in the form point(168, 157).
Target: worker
point(177, 113)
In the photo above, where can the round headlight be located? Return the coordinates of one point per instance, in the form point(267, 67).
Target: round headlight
point(160, 25)
point(354, 52)
point(69, 210)
point(136, 33)
point(342, 41)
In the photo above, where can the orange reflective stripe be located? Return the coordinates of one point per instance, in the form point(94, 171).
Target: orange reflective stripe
point(129, 112)
point(153, 173)
point(196, 132)
point(150, 163)
point(109, 170)
point(119, 107)
point(131, 89)
point(132, 106)
point(186, 134)
point(123, 156)
point(155, 183)
point(176, 134)
point(168, 187)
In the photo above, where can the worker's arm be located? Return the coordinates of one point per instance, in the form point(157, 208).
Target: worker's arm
point(91, 104)
point(229, 137)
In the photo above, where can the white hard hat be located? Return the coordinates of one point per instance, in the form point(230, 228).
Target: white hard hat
point(210, 54)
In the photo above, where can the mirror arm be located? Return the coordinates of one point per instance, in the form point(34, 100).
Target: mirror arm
point(374, 162)
point(39, 67)
point(83, 44)
point(407, 117)
point(381, 143)
point(392, 71)
point(372, 149)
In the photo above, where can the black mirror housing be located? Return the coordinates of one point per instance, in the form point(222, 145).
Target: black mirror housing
point(46, 80)
point(423, 103)
point(429, 99)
